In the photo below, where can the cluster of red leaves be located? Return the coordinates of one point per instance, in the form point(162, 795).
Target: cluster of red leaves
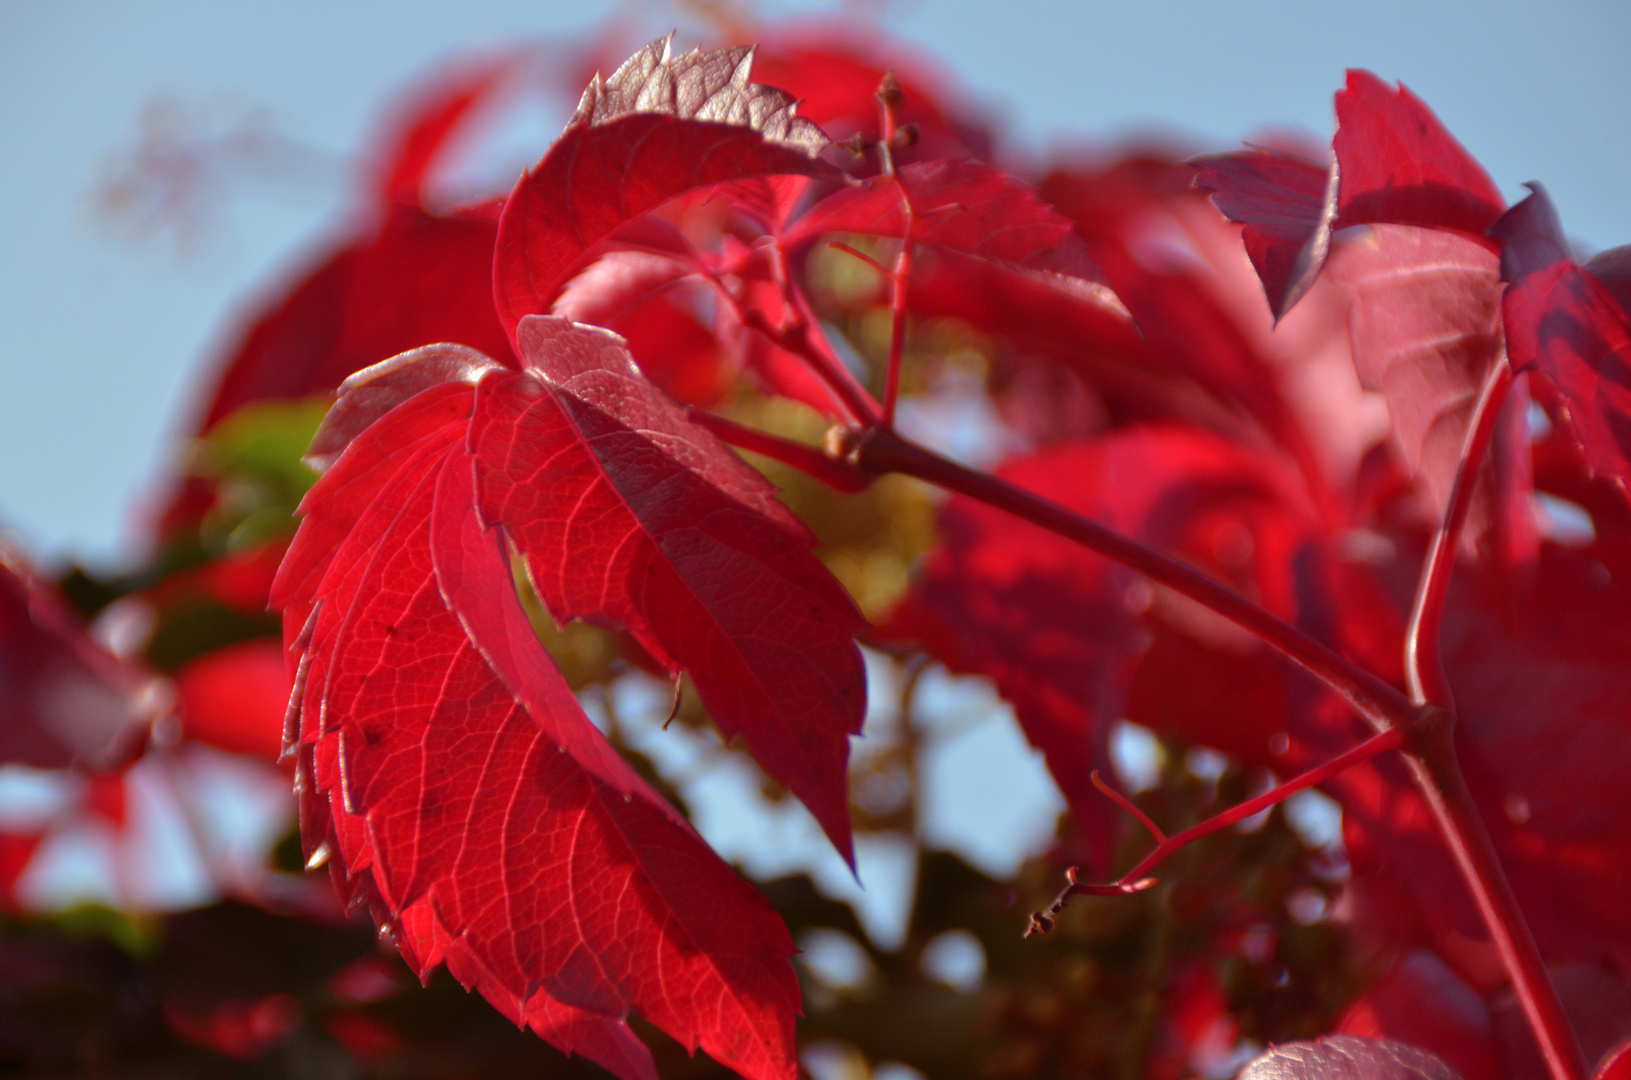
point(517, 392)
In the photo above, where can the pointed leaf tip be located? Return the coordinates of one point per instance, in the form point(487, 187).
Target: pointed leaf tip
point(659, 127)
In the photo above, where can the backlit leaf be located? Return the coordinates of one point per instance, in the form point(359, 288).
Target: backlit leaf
point(459, 790)
point(659, 127)
point(630, 515)
point(1565, 323)
point(1393, 163)
point(1347, 1057)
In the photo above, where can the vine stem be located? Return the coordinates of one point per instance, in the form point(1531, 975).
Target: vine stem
point(1423, 661)
point(1431, 757)
point(879, 451)
point(1426, 729)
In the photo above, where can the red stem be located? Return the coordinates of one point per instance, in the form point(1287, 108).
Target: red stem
point(1376, 744)
point(1430, 754)
point(878, 451)
point(897, 311)
point(1136, 879)
point(807, 459)
point(1431, 759)
point(800, 338)
point(1423, 662)
point(1437, 774)
point(1128, 805)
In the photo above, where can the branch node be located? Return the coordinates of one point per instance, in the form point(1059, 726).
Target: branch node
point(1128, 805)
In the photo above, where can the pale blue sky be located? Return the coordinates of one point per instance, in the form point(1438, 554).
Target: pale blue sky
point(98, 338)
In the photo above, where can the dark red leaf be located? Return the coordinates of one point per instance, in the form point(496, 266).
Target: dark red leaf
point(1280, 200)
point(368, 1040)
point(1543, 697)
point(65, 699)
point(1394, 163)
point(1347, 1057)
point(659, 127)
point(530, 858)
point(630, 515)
point(1566, 324)
point(1613, 269)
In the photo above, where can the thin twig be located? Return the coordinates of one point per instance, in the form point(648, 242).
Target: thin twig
point(1137, 879)
point(807, 459)
point(1128, 805)
point(1423, 662)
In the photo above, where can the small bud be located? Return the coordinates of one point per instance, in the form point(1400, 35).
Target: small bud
point(905, 137)
point(889, 92)
point(840, 442)
point(856, 144)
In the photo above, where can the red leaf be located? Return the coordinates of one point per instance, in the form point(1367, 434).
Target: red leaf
point(1280, 200)
point(65, 699)
point(1056, 627)
point(377, 453)
point(834, 74)
point(1394, 163)
point(1613, 269)
point(773, 368)
point(965, 206)
point(235, 698)
point(1543, 697)
point(632, 290)
point(1423, 1003)
point(1424, 323)
point(1565, 323)
point(417, 279)
point(1347, 1057)
point(238, 1029)
point(1398, 164)
point(629, 514)
point(1616, 1064)
point(16, 852)
point(449, 769)
point(659, 127)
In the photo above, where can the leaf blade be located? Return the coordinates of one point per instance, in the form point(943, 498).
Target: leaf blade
point(660, 126)
point(627, 513)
